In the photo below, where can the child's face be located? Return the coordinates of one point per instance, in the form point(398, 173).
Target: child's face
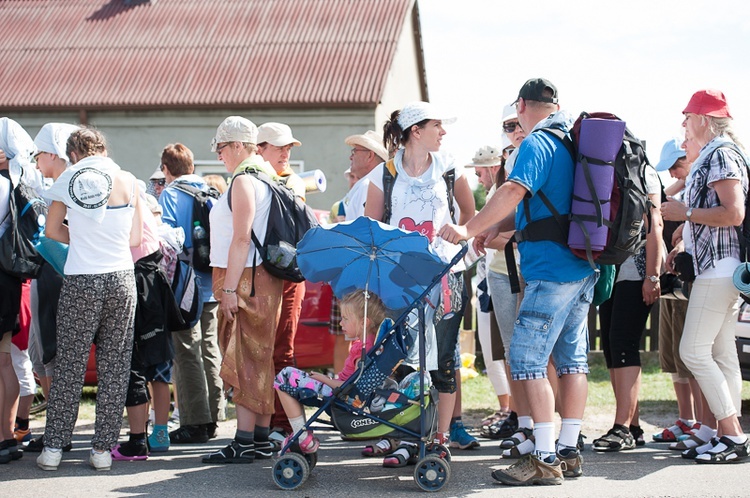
point(351, 324)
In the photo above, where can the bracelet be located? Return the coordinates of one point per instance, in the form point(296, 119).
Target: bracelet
point(229, 291)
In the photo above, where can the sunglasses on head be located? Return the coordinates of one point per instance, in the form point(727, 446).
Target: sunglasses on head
point(510, 126)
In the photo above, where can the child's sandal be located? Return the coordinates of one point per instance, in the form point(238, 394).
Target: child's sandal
point(380, 448)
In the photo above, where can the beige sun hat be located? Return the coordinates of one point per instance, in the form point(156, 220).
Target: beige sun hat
point(369, 140)
point(486, 157)
point(235, 129)
point(277, 134)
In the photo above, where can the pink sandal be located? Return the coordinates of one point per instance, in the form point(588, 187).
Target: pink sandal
point(308, 443)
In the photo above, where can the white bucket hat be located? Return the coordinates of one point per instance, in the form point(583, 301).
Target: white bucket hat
point(277, 134)
point(371, 141)
point(509, 112)
point(235, 129)
point(53, 138)
point(414, 112)
point(486, 157)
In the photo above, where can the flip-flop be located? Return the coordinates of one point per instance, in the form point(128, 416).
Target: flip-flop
point(374, 450)
point(403, 456)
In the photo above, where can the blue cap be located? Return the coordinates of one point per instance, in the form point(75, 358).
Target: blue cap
point(670, 153)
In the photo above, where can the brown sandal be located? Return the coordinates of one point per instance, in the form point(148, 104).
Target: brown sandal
point(376, 450)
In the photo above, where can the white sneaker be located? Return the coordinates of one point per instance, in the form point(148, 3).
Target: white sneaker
point(49, 459)
point(101, 461)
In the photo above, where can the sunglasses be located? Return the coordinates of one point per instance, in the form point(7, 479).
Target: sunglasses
point(222, 147)
point(162, 182)
point(511, 126)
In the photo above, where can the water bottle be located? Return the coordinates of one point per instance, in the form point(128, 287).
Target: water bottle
point(201, 244)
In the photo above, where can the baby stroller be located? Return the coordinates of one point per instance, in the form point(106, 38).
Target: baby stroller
point(397, 266)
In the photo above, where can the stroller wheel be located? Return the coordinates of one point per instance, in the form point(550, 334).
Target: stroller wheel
point(439, 450)
point(432, 473)
point(312, 459)
point(290, 471)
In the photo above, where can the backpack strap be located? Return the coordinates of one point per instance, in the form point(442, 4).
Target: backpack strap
point(450, 183)
point(389, 178)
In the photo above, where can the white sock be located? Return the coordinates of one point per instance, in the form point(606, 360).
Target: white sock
point(705, 433)
point(569, 431)
point(544, 435)
point(689, 423)
point(297, 423)
point(525, 421)
point(523, 449)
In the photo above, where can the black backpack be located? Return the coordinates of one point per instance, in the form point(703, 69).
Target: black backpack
point(288, 220)
point(389, 178)
point(201, 249)
point(27, 213)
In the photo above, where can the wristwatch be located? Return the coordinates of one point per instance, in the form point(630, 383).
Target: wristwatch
point(689, 213)
point(654, 279)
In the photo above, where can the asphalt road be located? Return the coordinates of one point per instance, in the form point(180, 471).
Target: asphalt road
point(649, 471)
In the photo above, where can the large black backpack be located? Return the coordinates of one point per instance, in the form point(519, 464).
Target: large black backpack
point(202, 201)
point(288, 220)
point(27, 213)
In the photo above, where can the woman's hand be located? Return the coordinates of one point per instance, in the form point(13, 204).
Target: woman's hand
point(678, 248)
point(228, 305)
point(651, 291)
point(674, 210)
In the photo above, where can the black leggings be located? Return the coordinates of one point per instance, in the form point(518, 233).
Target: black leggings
point(623, 318)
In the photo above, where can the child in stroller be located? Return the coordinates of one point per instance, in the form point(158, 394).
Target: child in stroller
point(296, 387)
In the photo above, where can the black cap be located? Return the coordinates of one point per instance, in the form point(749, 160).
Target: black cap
point(534, 90)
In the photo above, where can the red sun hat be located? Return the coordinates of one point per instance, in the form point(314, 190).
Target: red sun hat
point(708, 103)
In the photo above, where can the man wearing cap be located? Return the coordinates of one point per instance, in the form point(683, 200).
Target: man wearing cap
point(367, 152)
point(275, 142)
point(552, 319)
point(197, 356)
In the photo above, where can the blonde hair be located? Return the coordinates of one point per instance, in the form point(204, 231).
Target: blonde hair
point(85, 142)
point(216, 181)
point(376, 311)
point(722, 126)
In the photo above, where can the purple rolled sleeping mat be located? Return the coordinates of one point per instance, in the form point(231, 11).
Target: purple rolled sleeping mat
point(599, 142)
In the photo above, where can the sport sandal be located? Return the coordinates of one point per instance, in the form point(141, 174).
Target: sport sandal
point(614, 440)
point(734, 452)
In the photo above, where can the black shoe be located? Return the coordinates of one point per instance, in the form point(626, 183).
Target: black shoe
point(501, 429)
point(266, 449)
point(211, 429)
point(580, 445)
point(36, 445)
point(734, 452)
point(234, 453)
point(189, 434)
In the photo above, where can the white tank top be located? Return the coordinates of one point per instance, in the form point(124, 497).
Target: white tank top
point(100, 248)
point(222, 229)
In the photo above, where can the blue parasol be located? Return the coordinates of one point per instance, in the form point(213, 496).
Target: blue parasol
point(365, 254)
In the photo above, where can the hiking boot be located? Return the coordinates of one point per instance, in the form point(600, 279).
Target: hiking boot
point(529, 470)
point(618, 438)
point(572, 462)
point(266, 449)
point(158, 441)
point(189, 434)
point(49, 459)
point(100, 460)
point(233, 453)
point(36, 445)
point(461, 439)
point(734, 452)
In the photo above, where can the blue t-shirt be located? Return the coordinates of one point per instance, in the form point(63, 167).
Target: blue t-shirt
point(177, 211)
point(543, 163)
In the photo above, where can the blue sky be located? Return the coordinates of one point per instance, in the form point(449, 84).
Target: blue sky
point(641, 60)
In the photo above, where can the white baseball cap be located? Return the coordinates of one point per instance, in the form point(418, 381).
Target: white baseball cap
point(414, 112)
point(235, 129)
point(277, 134)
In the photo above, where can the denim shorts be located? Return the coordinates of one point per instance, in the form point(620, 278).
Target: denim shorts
point(552, 320)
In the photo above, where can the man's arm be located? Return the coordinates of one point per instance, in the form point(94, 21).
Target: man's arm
point(497, 215)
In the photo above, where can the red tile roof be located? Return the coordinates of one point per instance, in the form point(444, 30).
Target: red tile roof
point(120, 54)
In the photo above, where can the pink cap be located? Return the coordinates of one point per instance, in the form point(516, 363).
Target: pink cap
point(708, 103)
